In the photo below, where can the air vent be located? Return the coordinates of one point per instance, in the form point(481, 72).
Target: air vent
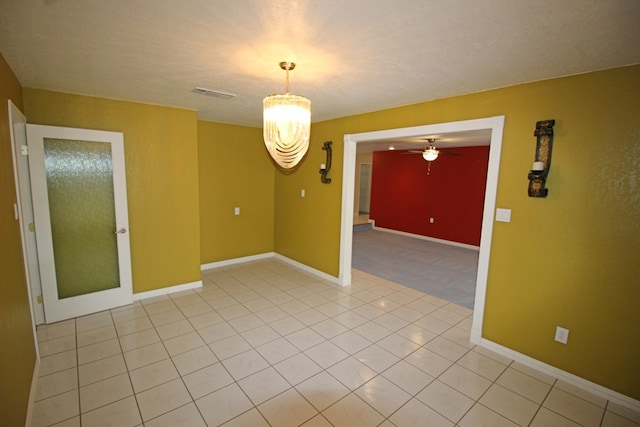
point(214, 93)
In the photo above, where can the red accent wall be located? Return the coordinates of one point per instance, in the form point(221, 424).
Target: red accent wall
point(404, 196)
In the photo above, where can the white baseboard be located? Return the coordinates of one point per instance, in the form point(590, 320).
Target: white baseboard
point(567, 377)
point(431, 239)
point(310, 270)
point(167, 290)
point(233, 261)
point(32, 393)
point(267, 255)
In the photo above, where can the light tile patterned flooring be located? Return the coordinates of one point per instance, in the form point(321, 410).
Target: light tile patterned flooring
point(266, 344)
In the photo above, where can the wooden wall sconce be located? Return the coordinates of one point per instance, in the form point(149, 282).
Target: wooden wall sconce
point(326, 167)
point(542, 164)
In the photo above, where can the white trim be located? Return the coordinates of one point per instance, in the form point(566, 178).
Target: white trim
point(167, 290)
point(25, 215)
point(57, 308)
point(431, 239)
point(486, 235)
point(32, 393)
point(233, 261)
point(569, 378)
point(496, 125)
point(267, 255)
point(310, 270)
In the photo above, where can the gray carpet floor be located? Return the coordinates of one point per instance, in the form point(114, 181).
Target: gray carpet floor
point(444, 271)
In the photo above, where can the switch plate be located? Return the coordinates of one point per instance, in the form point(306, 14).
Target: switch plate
point(302, 193)
point(562, 335)
point(503, 215)
point(431, 220)
point(236, 211)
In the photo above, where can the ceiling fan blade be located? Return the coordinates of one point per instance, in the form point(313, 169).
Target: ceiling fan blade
point(450, 153)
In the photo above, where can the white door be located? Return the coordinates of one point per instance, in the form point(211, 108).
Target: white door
point(79, 196)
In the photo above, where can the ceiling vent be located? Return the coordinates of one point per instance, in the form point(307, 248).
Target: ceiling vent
point(214, 93)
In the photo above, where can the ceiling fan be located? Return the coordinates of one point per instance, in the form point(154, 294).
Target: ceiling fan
point(431, 153)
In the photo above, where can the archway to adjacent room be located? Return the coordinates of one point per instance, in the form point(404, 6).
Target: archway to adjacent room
point(495, 125)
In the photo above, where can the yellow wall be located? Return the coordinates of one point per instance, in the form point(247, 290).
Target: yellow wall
point(235, 171)
point(307, 229)
point(570, 259)
point(17, 349)
point(161, 156)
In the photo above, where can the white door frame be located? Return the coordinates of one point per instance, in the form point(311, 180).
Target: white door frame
point(17, 122)
point(17, 132)
point(496, 125)
point(57, 309)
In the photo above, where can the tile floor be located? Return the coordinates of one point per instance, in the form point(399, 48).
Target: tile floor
point(265, 344)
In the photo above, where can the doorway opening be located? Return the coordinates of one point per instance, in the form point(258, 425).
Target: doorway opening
point(495, 126)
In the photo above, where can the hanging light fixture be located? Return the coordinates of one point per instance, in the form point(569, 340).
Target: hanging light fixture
point(287, 124)
point(430, 153)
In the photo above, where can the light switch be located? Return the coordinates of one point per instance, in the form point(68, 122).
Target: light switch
point(503, 215)
point(303, 193)
point(236, 211)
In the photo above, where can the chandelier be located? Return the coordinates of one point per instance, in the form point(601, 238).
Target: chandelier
point(287, 124)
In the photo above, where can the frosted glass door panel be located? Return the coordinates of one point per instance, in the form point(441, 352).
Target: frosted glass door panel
point(80, 190)
point(79, 193)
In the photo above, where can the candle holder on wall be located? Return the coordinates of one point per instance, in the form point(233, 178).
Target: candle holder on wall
point(538, 175)
point(326, 167)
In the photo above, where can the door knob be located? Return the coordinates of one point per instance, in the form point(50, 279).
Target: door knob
point(120, 231)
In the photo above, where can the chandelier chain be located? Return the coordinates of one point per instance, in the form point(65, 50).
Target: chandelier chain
point(287, 82)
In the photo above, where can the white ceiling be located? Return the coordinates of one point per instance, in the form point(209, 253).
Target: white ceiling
point(353, 56)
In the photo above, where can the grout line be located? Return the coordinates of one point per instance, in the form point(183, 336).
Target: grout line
point(133, 390)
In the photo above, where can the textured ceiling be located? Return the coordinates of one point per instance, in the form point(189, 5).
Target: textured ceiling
point(353, 56)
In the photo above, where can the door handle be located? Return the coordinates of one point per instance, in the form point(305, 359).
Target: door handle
point(120, 231)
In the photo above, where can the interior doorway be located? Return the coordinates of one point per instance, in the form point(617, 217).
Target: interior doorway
point(495, 125)
point(364, 201)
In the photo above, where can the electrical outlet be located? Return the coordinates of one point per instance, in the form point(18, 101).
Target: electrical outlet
point(503, 215)
point(562, 335)
point(431, 220)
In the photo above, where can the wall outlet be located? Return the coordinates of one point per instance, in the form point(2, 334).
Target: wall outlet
point(236, 211)
point(562, 335)
point(503, 215)
point(431, 220)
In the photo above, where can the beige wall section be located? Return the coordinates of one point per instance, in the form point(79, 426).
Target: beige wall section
point(570, 259)
point(235, 171)
point(361, 158)
point(161, 156)
point(17, 349)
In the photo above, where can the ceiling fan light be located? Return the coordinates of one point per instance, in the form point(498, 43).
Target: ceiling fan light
point(430, 154)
